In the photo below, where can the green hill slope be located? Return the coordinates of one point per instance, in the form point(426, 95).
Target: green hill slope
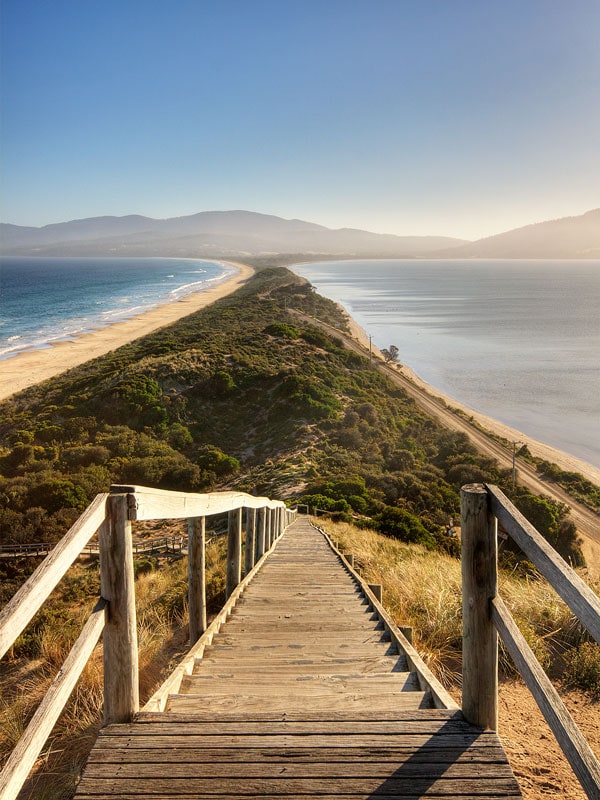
point(241, 394)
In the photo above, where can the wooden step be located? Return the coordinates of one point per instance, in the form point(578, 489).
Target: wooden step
point(316, 650)
point(309, 684)
point(293, 700)
point(418, 753)
point(292, 665)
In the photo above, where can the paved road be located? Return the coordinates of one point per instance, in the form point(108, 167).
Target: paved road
point(586, 520)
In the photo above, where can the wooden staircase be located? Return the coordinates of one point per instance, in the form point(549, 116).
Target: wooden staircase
point(303, 637)
point(303, 693)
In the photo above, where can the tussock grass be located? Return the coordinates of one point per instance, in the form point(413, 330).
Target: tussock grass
point(422, 589)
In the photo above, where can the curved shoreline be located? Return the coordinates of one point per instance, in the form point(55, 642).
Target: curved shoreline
point(539, 449)
point(26, 369)
point(34, 366)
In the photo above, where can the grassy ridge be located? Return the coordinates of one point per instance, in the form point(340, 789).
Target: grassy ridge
point(242, 394)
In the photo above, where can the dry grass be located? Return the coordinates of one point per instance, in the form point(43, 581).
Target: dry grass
point(423, 589)
point(161, 601)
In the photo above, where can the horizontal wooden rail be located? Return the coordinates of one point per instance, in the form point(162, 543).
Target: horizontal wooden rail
point(147, 504)
point(29, 746)
point(574, 591)
point(485, 616)
point(19, 611)
point(36, 548)
point(572, 742)
point(115, 616)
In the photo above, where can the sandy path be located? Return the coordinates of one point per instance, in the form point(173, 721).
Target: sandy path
point(29, 368)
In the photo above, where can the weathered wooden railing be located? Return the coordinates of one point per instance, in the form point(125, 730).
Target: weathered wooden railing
point(485, 616)
point(114, 616)
point(162, 544)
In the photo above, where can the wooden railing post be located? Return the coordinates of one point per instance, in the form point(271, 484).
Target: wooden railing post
point(250, 539)
point(479, 582)
point(121, 692)
point(261, 533)
point(197, 577)
point(234, 551)
point(377, 590)
point(269, 530)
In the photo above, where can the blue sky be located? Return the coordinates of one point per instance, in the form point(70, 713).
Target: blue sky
point(455, 117)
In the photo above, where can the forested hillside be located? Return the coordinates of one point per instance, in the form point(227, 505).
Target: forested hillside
point(243, 394)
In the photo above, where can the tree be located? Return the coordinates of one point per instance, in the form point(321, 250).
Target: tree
point(390, 354)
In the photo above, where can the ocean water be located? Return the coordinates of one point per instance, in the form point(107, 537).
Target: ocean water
point(46, 300)
point(516, 340)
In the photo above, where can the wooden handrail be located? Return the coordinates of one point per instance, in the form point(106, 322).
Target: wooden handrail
point(114, 616)
point(485, 615)
point(29, 746)
point(572, 742)
point(154, 504)
point(19, 611)
point(574, 591)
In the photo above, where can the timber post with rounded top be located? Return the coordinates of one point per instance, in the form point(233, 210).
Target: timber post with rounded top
point(117, 581)
point(479, 582)
point(197, 577)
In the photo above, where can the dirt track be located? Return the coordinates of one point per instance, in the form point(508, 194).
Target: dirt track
point(586, 520)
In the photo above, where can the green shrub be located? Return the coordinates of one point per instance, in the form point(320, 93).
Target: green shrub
point(583, 668)
point(85, 455)
point(222, 383)
point(211, 459)
point(281, 329)
point(401, 524)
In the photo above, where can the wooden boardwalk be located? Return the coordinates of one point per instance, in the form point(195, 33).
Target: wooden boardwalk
point(302, 693)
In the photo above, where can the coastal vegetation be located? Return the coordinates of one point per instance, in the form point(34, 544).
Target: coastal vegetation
point(249, 394)
point(244, 394)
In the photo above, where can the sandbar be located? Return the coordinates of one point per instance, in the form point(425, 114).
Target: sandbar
point(33, 366)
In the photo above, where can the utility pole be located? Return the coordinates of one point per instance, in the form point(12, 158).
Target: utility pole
point(370, 350)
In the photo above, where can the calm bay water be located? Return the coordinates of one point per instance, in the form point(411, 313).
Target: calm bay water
point(516, 340)
point(45, 300)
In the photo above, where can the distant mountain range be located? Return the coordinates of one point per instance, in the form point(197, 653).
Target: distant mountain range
point(568, 237)
point(235, 234)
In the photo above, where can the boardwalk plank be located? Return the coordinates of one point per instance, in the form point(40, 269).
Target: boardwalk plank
point(277, 755)
point(424, 785)
point(321, 769)
point(301, 695)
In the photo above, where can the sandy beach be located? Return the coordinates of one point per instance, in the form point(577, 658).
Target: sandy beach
point(31, 367)
point(564, 460)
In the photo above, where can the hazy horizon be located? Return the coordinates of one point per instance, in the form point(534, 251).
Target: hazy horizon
point(461, 119)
